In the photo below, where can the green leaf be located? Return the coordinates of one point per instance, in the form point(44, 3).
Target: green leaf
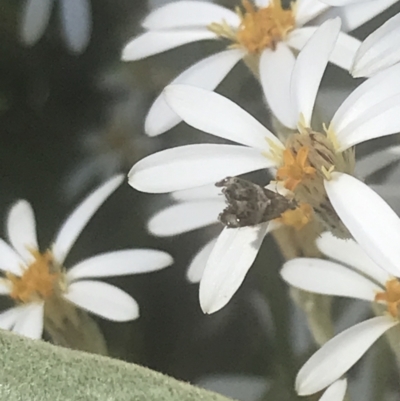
point(37, 371)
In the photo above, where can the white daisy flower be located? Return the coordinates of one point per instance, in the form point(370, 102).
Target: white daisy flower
point(379, 50)
point(75, 16)
point(362, 279)
point(34, 278)
point(259, 33)
point(304, 163)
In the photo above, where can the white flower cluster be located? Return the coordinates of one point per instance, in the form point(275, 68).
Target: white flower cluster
point(314, 167)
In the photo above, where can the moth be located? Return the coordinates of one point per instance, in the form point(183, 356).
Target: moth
point(250, 204)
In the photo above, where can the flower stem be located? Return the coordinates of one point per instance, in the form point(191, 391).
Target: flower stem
point(72, 328)
point(301, 243)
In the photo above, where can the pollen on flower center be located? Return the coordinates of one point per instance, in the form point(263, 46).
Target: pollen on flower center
point(259, 27)
point(38, 280)
point(296, 168)
point(264, 27)
point(391, 296)
point(308, 157)
point(297, 218)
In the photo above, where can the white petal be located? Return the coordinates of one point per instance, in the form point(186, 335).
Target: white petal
point(9, 317)
point(379, 50)
point(230, 259)
point(376, 161)
point(381, 121)
point(10, 261)
point(194, 165)
point(103, 299)
point(184, 14)
point(35, 18)
point(276, 71)
point(370, 220)
point(310, 67)
point(196, 267)
point(151, 43)
point(207, 74)
point(355, 15)
point(77, 220)
point(120, 263)
point(329, 278)
point(30, 322)
point(339, 354)
point(217, 115)
point(300, 36)
point(306, 10)
point(204, 192)
point(335, 392)
point(21, 229)
point(350, 253)
point(369, 99)
point(185, 216)
point(343, 52)
point(76, 23)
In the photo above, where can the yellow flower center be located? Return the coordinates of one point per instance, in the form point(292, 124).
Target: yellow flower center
point(37, 281)
point(308, 159)
point(264, 27)
point(259, 27)
point(391, 296)
point(296, 168)
point(297, 218)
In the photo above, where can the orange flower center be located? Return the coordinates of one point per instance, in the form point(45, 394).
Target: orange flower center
point(297, 218)
point(264, 27)
point(37, 281)
point(391, 296)
point(296, 168)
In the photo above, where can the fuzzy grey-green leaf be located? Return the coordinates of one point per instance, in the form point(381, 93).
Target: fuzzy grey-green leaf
point(38, 371)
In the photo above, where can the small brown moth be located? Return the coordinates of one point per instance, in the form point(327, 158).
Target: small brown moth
point(250, 204)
